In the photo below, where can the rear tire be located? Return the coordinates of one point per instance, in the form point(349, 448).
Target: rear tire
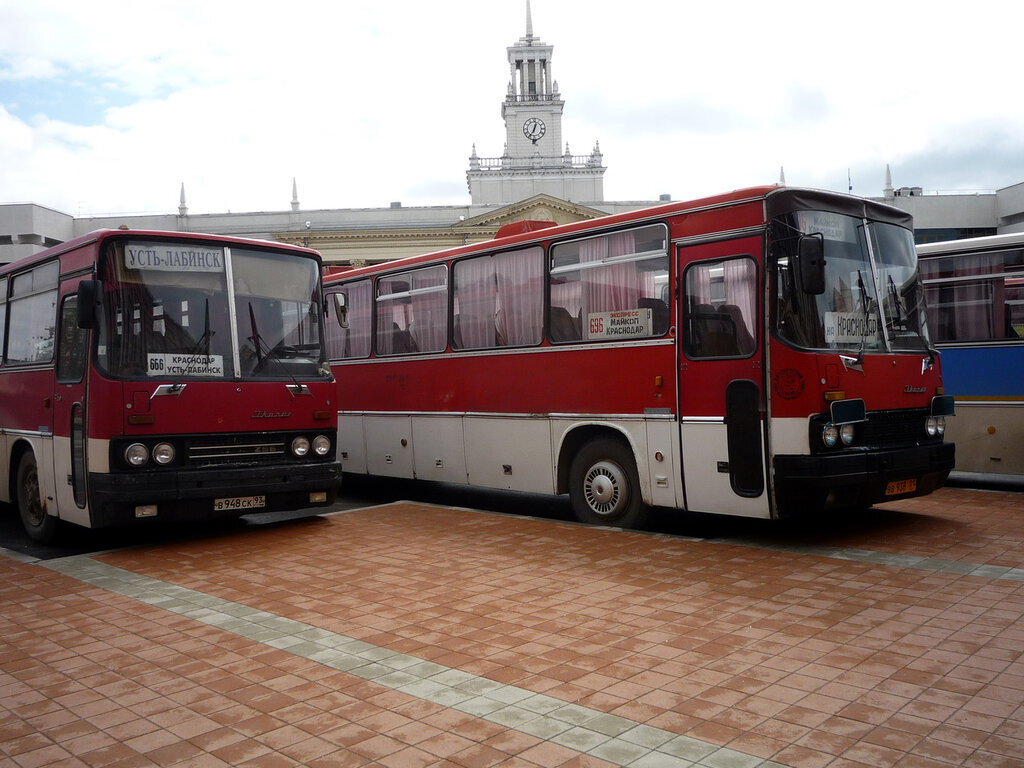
point(38, 525)
point(604, 486)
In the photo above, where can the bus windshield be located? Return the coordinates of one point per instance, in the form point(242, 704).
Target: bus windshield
point(873, 300)
point(174, 310)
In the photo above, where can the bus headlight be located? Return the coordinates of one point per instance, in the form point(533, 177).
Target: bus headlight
point(940, 424)
point(321, 445)
point(829, 435)
point(931, 426)
point(846, 434)
point(163, 453)
point(136, 454)
point(300, 446)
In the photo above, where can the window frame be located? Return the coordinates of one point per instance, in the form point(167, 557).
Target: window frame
point(687, 319)
point(581, 335)
point(526, 251)
point(410, 293)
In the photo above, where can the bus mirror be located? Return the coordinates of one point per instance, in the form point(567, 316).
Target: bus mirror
point(89, 293)
point(341, 309)
point(812, 263)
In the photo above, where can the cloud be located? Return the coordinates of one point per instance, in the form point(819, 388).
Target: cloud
point(366, 103)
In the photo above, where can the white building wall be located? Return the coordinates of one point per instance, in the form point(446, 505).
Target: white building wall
point(1010, 208)
point(948, 211)
point(27, 228)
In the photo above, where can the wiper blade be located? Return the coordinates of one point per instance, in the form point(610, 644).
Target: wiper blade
point(262, 348)
point(207, 334)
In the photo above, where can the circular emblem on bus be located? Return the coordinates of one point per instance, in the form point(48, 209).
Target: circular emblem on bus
point(789, 383)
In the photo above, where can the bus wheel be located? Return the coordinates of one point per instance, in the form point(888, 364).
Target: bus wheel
point(604, 485)
point(40, 526)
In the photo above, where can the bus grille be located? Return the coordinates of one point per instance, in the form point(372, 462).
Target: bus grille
point(212, 450)
point(889, 428)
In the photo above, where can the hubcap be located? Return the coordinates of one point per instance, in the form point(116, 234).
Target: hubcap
point(604, 488)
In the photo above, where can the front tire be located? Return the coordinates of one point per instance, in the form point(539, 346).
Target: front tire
point(38, 525)
point(605, 487)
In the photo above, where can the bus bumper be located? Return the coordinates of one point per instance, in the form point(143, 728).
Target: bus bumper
point(859, 478)
point(190, 495)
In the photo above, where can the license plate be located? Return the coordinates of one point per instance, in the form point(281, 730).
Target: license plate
point(897, 487)
point(238, 503)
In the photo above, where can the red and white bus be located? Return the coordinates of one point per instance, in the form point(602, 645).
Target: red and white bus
point(160, 375)
point(758, 353)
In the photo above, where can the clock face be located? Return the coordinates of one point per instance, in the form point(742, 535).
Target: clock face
point(533, 129)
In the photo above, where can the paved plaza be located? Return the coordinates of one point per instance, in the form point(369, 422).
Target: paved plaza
point(410, 634)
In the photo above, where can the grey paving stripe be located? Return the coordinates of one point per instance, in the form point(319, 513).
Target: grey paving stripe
point(982, 570)
point(618, 740)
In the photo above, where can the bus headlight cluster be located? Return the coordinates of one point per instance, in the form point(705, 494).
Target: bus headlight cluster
point(831, 435)
point(846, 434)
point(935, 426)
point(138, 455)
point(320, 445)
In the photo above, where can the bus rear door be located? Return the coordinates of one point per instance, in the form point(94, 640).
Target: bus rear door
point(721, 391)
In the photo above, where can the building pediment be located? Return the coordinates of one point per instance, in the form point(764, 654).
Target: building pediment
point(540, 207)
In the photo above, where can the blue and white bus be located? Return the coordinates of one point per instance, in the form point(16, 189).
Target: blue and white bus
point(975, 294)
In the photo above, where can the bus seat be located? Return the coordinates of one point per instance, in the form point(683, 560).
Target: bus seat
point(659, 314)
point(563, 325)
point(402, 342)
point(713, 333)
point(745, 343)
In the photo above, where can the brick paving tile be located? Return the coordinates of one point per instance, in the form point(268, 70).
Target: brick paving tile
point(763, 644)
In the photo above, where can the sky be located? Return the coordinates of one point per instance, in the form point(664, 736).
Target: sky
point(108, 107)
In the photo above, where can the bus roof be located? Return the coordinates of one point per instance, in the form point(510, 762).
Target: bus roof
point(99, 235)
point(776, 199)
point(987, 243)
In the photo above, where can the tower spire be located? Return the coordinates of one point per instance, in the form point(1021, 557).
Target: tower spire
point(295, 195)
point(529, 22)
point(182, 208)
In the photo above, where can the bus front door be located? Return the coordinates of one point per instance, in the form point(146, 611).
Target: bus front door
point(69, 410)
point(721, 392)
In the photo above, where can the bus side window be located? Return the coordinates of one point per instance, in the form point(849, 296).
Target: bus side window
point(71, 344)
point(499, 299)
point(412, 312)
point(33, 309)
point(611, 285)
point(353, 341)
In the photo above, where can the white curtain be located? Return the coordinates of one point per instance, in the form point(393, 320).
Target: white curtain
point(476, 302)
point(429, 323)
point(741, 289)
point(520, 283)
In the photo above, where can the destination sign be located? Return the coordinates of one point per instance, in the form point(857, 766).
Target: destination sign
point(174, 257)
point(621, 324)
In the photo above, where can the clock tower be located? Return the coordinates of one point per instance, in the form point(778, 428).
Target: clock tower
point(533, 161)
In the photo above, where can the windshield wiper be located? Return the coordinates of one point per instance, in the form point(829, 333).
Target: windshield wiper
point(257, 341)
point(894, 295)
point(902, 324)
point(857, 363)
point(262, 348)
point(207, 334)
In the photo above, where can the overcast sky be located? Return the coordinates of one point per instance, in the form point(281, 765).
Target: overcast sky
point(108, 107)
